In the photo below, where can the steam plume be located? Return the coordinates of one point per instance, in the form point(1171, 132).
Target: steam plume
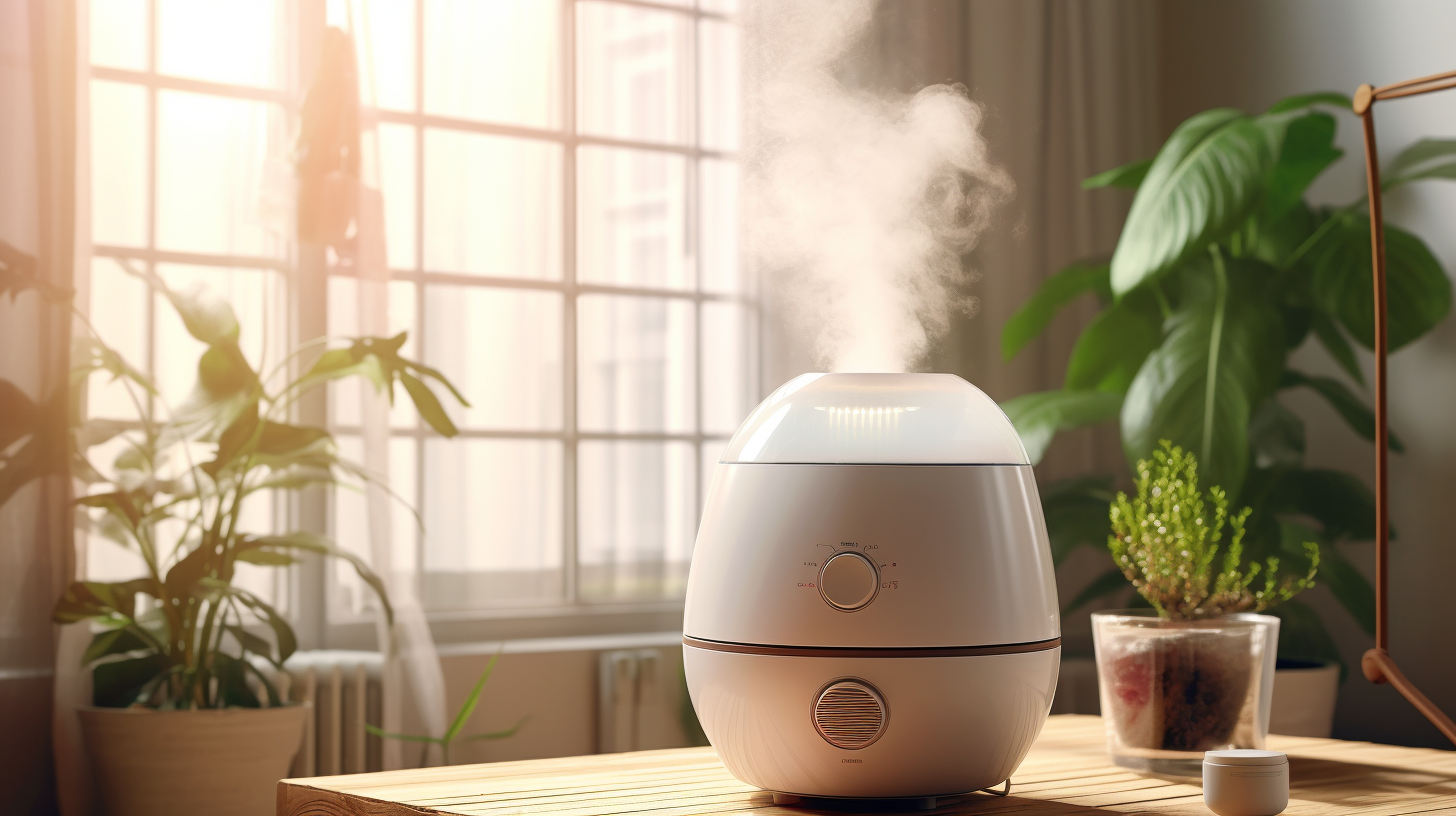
point(858, 203)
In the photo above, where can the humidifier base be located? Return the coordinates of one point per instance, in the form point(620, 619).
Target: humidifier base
point(919, 727)
point(832, 805)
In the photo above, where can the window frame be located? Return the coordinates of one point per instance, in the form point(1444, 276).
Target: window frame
point(569, 615)
point(308, 586)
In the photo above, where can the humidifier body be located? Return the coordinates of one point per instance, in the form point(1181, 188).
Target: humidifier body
point(871, 609)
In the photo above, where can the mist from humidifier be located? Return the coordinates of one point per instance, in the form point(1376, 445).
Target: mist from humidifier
point(858, 204)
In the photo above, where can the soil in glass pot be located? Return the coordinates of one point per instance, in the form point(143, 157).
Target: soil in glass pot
point(1171, 690)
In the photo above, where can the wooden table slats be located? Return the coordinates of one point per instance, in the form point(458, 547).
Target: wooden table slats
point(1066, 774)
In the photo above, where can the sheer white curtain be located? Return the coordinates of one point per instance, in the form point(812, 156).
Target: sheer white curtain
point(40, 680)
point(339, 175)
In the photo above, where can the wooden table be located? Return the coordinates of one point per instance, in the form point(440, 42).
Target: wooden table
point(1067, 774)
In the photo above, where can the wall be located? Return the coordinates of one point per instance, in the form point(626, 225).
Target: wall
point(1248, 54)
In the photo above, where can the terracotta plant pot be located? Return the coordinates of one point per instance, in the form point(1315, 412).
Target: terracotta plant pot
point(222, 762)
point(1171, 690)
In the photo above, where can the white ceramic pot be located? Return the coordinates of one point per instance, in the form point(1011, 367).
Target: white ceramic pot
point(1304, 698)
point(222, 762)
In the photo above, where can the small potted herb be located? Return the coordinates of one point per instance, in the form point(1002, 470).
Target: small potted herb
point(1195, 671)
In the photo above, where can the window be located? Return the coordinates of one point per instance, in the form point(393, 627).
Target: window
point(560, 207)
point(189, 139)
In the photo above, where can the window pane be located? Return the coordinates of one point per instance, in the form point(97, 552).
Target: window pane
point(344, 395)
point(718, 232)
point(259, 298)
point(632, 218)
point(635, 364)
point(719, 6)
point(496, 61)
point(218, 191)
point(492, 513)
point(397, 185)
point(718, 76)
point(502, 349)
point(119, 33)
point(727, 394)
point(118, 164)
point(634, 70)
point(492, 205)
point(118, 313)
point(350, 525)
point(232, 41)
point(638, 514)
point(386, 49)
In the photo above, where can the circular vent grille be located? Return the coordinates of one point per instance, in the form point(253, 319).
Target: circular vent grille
point(849, 714)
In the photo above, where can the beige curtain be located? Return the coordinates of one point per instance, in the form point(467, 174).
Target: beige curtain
point(37, 254)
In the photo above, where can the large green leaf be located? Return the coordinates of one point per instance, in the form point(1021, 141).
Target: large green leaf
point(1103, 585)
point(1307, 148)
point(223, 371)
point(1342, 504)
point(1204, 182)
point(1222, 357)
point(1351, 408)
point(232, 682)
point(1076, 513)
point(1302, 635)
point(1426, 159)
point(110, 642)
point(205, 313)
point(1055, 292)
point(1418, 293)
point(314, 543)
point(1276, 436)
point(1129, 176)
point(1114, 345)
point(1349, 586)
point(1334, 341)
point(118, 683)
point(1039, 416)
point(283, 636)
point(1332, 99)
point(428, 406)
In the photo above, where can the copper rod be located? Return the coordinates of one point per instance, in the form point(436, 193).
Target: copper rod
point(1417, 81)
point(1414, 91)
point(1377, 664)
point(1382, 492)
point(1378, 661)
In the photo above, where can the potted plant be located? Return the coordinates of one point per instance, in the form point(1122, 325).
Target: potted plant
point(184, 719)
point(1222, 270)
point(1195, 672)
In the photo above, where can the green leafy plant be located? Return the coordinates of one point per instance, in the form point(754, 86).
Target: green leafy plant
point(1166, 544)
point(177, 494)
point(1221, 271)
point(452, 733)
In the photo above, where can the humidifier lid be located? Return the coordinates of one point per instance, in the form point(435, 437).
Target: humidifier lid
point(877, 419)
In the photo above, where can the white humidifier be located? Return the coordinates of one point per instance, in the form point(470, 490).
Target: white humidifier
point(871, 610)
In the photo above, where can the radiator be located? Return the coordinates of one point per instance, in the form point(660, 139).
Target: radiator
point(640, 699)
point(343, 687)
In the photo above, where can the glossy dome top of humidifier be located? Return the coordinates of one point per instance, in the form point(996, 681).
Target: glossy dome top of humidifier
point(868, 419)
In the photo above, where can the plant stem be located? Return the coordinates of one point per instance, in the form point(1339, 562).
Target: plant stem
point(1215, 339)
point(1315, 237)
point(1163, 305)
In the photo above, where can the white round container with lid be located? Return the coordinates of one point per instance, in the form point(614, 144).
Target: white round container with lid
point(872, 610)
point(1245, 782)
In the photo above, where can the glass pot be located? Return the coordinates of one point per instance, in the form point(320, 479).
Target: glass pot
point(1171, 690)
